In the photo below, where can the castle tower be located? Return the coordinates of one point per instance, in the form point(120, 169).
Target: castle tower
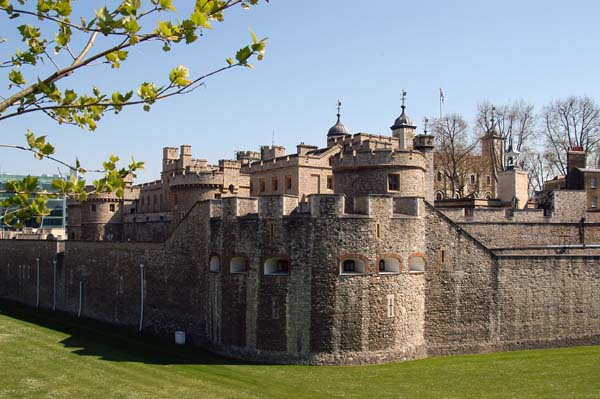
point(492, 145)
point(403, 127)
point(338, 130)
point(426, 143)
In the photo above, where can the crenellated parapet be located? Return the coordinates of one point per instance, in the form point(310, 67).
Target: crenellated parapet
point(363, 141)
point(380, 158)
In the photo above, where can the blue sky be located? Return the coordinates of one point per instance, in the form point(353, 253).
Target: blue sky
point(363, 53)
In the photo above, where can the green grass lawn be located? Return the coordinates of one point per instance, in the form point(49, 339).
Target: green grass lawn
point(44, 356)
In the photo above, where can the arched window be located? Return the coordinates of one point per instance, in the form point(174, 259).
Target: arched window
point(277, 266)
point(439, 176)
point(416, 264)
point(472, 179)
point(215, 264)
point(352, 266)
point(389, 265)
point(238, 265)
point(439, 196)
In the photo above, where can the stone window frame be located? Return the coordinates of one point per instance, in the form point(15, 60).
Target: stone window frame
point(389, 257)
point(395, 176)
point(593, 182)
point(439, 196)
point(288, 182)
point(266, 269)
point(594, 202)
point(262, 185)
point(93, 207)
point(212, 267)
point(360, 260)
point(390, 305)
point(235, 268)
point(330, 182)
point(416, 255)
point(111, 207)
point(274, 184)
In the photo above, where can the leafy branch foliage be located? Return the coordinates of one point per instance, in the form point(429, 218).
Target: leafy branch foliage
point(130, 23)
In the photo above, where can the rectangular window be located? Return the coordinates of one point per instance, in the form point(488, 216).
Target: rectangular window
point(274, 183)
point(393, 182)
point(488, 180)
point(593, 182)
point(330, 182)
point(261, 184)
point(390, 305)
point(111, 207)
point(288, 182)
point(594, 203)
point(93, 207)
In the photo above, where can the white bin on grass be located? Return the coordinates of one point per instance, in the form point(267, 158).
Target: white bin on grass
point(180, 337)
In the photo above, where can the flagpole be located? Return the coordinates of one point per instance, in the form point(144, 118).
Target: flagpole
point(441, 103)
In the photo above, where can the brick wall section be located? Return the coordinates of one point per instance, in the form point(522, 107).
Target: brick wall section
point(465, 301)
point(460, 294)
point(559, 305)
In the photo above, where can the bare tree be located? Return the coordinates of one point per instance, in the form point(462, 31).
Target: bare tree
point(539, 167)
point(515, 122)
point(568, 123)
point(454, 149)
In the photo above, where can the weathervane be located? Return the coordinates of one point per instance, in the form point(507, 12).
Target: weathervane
point(339, 107)
point(425, 120)
point(403, 98)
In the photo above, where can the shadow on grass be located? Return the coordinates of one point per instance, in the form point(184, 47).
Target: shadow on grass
point(112, 343)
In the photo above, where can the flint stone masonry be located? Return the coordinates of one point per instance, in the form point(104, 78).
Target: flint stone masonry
point(467, 299)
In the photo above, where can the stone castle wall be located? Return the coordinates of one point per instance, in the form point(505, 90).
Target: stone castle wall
point(462, 301)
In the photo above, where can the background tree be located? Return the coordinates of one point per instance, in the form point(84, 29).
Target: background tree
point(454, 149)
point(568, 123)
point(65, 38)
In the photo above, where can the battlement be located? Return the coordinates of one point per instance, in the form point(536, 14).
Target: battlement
point(287, 160)
point(424, 141)
point(150, 185)
point(229, 164)
point(210, 178)
point(270, 152)
point(359, 159)
point(364, 141)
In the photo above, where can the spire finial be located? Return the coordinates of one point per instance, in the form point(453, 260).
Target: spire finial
point(403, 99)
point(339, 107)
point(425, 121)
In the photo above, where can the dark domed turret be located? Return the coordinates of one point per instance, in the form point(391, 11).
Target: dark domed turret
point(338, 129)
point(403, 121)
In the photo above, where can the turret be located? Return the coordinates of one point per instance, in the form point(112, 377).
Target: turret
point(403, 127)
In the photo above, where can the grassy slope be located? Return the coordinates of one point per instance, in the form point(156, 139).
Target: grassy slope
point(41, 357)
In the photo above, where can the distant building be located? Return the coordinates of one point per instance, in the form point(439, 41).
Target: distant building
point(52, 225)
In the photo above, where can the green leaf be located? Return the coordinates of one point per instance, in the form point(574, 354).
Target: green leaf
point(167, 5)
point(16, 77)
point(200, 19)
point(178, 76)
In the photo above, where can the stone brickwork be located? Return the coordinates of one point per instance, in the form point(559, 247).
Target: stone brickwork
point(439, 289)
